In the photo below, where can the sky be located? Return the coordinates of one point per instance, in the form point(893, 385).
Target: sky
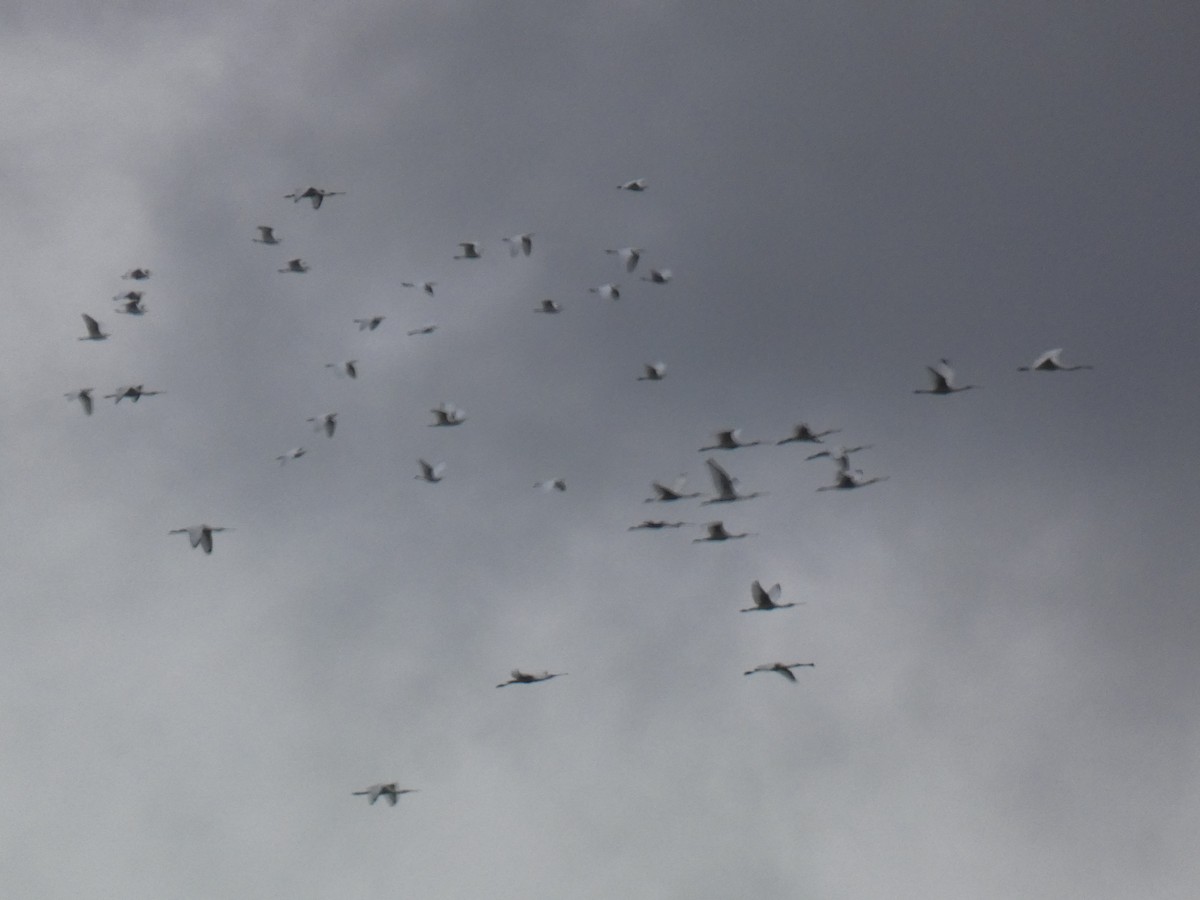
point(1004, 631)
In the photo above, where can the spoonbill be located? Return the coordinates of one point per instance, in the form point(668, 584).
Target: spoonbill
point(200, 535)
point(134, 392)
point(431, 474)
point(607, 291)
point(847, 480)
point(93, 329)
point(470, 250)
point(137, 274)
point(658, 276)
point(803, 434)
point(840, 455)
point(369, 324)
point(424, 329)
point(129, 295)
point(326, 423)
point(315, 194)
point(766, 599)
point(655, 525)
point(653, 372)
point(349, 367)
point(294, 453)
point(266, 235)
point(84, 396)
point(1051, 361)
point(636, 185)
point(132, 306)
point(548, 306)
point(295, 265)
point(390, 791)
point(628, 255)
point(725, 486)
point(730, 440)
point(664, 494)
point(519, 243)
point(447, 415)
point(784, 669)
point(552, 484)
point(426, 286)
point(519, 677)
point(718, 532)
point(943, 380)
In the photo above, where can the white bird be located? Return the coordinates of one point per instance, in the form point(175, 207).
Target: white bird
point(326, 423)
point(725, 486)
point(133, 306)
point(390, 791)
point(803, 434)
point(432, 474)
point(548, 306)
point(349, 367)
point(519, 243)
point(200, 535)
point(137, 274)
point(637, 184)
point(294, 453)
point(426, 286)
point(424, 329)
point(847, 480)
point(447, 414)
point(655, 525)
point(93, 329)
point(629, 256)
point(369, 324)
point(266, 235)
point(654, 372)
point(717, 532)
point(134, 392)
point(607, 291)
point(470, 250)
point(129, 295)
point(664, 494)
point(316, 195)
point(784, 669)
point(943, 380)
point(840, 455)
point(552, 484)
point(658, 276)
point(766, 599)
point(519, 677)
point(296, 265)
point(730, 440)
point(84, 396)
point(1051, 361)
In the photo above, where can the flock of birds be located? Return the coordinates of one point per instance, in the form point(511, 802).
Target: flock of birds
point(725, 486)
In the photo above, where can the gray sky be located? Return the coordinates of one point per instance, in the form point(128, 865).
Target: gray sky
point(1004, 700)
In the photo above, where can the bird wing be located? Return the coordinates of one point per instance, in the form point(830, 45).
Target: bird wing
point(940, 380)
point(761, 599)
point(93, 327)
point(785, 672)
point(775, 592)
point(721, 479)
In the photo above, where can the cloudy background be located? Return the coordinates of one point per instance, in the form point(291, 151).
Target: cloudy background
point(1004, 701)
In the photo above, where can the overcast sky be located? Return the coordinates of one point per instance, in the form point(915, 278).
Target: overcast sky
point(1004, 700)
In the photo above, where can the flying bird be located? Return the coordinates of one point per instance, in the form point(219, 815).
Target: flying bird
point(548, 306)
point(426, 286)
point(636, 185)
point(93, 329)
point(470, 250)
point(200, 535)
point(369, 324)
point(656, 525)
point(629, 256)
point(1051, 361)
point(266, 235)
point(803, 434)
point(654, 372)
point(424, 329)
point(840, 455)
point(725, 486)
point(847, 480)
point(766, 599)
point(84, 396)
point(316, 195)
point(552, 484)
point(133, 306)
point(658, 276)
point(943, 380)
point(717, 532)
point(432, 474)
point(519, 243)
point(519, 677)
point(326, 423)
point(294, 453)
point(129, 295)
point(296, 265)
point(607, 291)
point(134, 392)
point(390, 791)
point(730, 440)
point(137, 274)
point(349, 367)
point(784, 669)
point(446, 415)
point(664, 494)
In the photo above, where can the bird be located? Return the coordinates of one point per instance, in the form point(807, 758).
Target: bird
point(432, 474)
point(447, 414)
point(552, 484)
point(426, 286)
point(470, 250)
point(129, 295)
point(93, 329)
point(655, 525)
point(725, 485)
point(654, 372)
point(294, 453)
point(717, 532)
point(784, 669)
point(369, 324)
point(296, 265)
point(519, 243)
point(803, 434)
point(664, 494)
point(840, 455)
point(84, 396)
point(349, 367)
point(201, 535)
point(133, 306)
point(390, 791)
point(847, 480)
point(137, 274)
point(316, 195)
point(629, 255)
point(326, 423)
point(943, 380)
point(424, 329)
point(658, 276)
point(730, 440)
point(636, 185)
point(1051, 361)
point(266, 235)
point(765, 599)
point(607, 291)
point(548, 306)
point(134, 392)
point(519, 677)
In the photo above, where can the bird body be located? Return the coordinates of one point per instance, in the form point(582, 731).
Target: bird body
point(943, 380)
point(636, 185)
point(653, 372)
point(766, 599)
point(718, 532)
point(315, 194)
point(730, 440)
point(1051, 361)
point(552, 484)
point(664, 494)
point(133, 391)
point(349, 367)
point(548, 306)
point(784, 669)
point(447, 415)
point(628, 255)
point(658, 276)
point(803, 434)
point(294, 453)
point(266, 235)
point(424, 329)
point(519, 677)
point(295, 265)
point(470, 250)
point(133, 306)
point(84, 396)
point(655, 525)
point(847, 480)
point(426, 286)
point(519, 244)
point(430, 473)
point(137, 274)
point(326, 423)
point(390, 791)
point(607, 291)
point(369, 324)
point(840, 455)
point(200, 535)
